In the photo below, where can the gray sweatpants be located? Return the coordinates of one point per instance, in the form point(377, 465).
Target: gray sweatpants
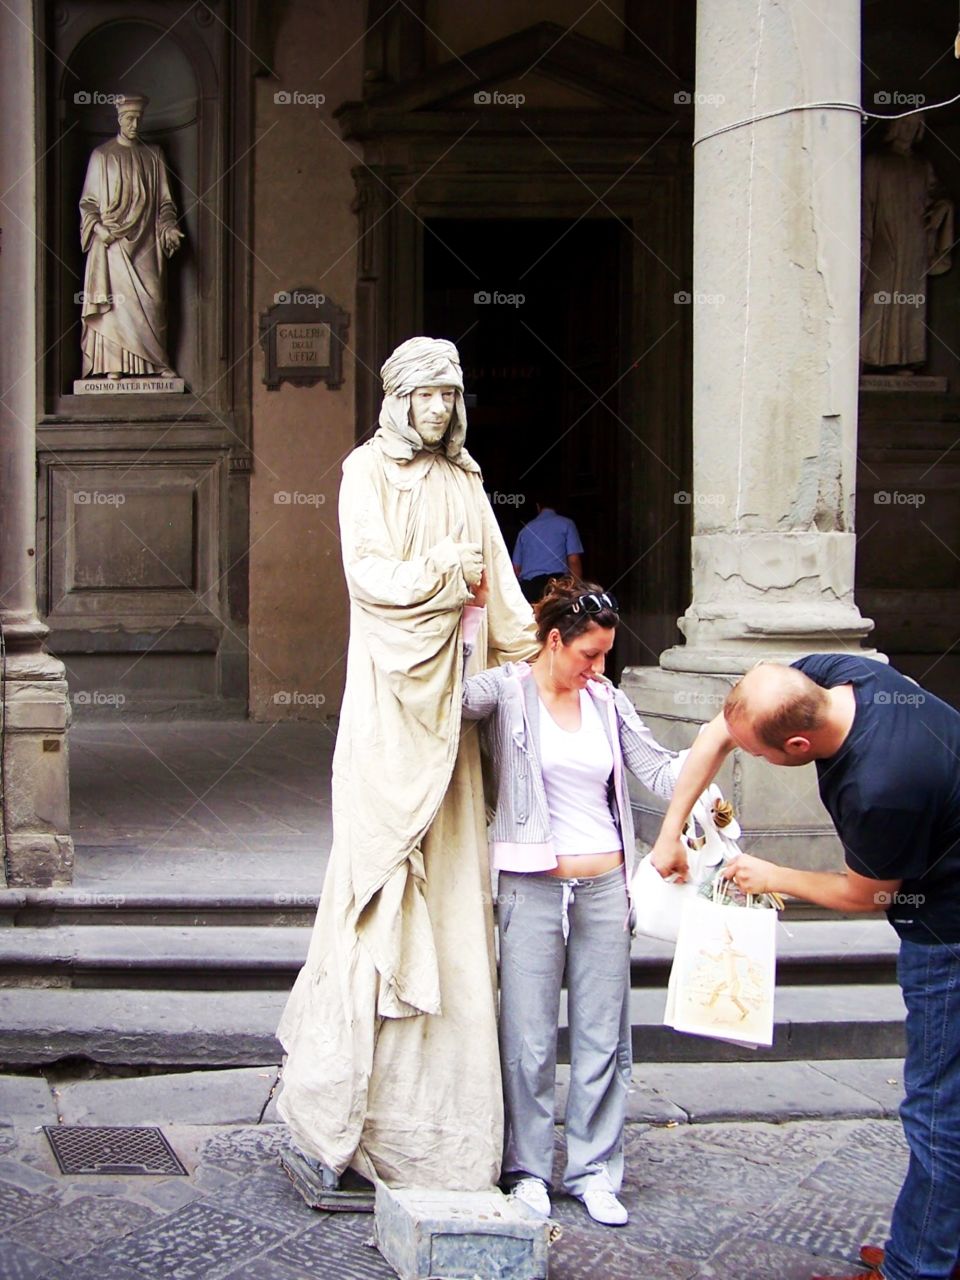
point(548, 924)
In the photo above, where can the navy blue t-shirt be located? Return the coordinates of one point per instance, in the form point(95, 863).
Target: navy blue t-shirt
point(893, 792)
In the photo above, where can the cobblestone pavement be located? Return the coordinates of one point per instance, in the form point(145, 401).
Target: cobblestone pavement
point(731, 1201)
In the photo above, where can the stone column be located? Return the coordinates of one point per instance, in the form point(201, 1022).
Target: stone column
point(776, 318)
point(35, 832)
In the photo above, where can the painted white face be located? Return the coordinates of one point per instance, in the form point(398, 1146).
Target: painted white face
point(130, 125)
point(431, 409)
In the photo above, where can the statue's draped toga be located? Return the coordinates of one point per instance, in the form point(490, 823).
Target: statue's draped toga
point(124, 298)
point(390, 1029)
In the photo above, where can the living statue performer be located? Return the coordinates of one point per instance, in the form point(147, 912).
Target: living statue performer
point(390, 1031)
point(128, 228)
point(906, 235)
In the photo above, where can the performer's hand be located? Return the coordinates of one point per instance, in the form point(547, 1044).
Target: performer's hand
point(170, 238)
point(480, 593)
point(471, 562)
point(669, 857)
point(750, 874)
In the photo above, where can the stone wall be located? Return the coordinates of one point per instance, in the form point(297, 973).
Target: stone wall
point(305, 235)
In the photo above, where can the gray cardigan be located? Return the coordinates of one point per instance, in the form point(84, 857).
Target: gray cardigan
point(507, 698)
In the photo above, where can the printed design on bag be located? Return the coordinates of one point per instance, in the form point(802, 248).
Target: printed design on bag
point(739, 990)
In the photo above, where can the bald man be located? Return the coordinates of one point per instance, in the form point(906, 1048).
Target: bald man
point(888, 766)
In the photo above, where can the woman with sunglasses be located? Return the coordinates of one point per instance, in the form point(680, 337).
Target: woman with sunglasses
point(560, 738)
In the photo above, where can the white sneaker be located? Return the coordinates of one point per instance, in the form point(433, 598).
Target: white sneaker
point(532, 1192)
point(603, 1206)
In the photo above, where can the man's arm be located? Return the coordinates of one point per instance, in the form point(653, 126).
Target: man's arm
point(712, 746)
point(839, 890)
point(575, 566)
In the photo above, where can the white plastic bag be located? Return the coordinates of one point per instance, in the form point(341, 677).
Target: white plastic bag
point(659, 903)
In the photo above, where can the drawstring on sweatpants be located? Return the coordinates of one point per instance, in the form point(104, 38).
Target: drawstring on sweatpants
point(568, 898)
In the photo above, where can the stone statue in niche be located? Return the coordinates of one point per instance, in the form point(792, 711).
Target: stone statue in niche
point(906, 236)
point(128, 229)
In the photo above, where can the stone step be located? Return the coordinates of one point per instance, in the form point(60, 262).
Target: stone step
point(269, 957)
point(109, 902)
point(179, 1028)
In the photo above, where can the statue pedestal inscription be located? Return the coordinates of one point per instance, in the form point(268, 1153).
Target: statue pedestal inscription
point(896, 382)
point(127, 386)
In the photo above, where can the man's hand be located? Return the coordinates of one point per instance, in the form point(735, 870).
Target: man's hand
point(751, 875)
point(102, 234)
point(471, 562)
point(669, 857)
point(480, 593)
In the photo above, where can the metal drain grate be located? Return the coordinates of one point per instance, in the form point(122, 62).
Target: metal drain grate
point(87, 1149)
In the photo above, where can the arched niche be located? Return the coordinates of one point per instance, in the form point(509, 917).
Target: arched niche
point(138, 55)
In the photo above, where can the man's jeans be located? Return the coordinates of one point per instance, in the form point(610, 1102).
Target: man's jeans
point(925, 1231)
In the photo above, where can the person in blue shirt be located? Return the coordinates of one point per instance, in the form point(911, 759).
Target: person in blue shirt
point(548, 547)
point(888, 766)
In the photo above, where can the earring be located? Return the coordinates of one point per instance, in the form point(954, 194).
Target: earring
point(553, 651)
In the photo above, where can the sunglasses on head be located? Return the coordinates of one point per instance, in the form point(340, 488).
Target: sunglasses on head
point(594, 602)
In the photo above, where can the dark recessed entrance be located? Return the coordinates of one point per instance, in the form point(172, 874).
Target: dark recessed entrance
point(535, 307)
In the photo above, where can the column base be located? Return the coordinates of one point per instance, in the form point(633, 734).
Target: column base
point(36, 798)
point(778, 809)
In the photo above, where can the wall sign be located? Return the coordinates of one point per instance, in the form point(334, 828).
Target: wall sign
point(302, 337)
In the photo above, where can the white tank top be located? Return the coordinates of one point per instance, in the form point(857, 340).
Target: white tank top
point(576, 767)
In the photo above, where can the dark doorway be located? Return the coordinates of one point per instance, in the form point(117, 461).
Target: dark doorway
point(535, 307)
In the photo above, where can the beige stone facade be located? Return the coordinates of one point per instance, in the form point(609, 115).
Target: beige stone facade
point(681, 372)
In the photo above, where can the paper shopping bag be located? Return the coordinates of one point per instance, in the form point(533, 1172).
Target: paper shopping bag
point(724, 973)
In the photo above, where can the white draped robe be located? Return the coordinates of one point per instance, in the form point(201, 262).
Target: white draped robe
point(390, 1029)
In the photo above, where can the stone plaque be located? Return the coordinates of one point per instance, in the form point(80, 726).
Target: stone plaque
point(127, 386)
point(303, 344)
point(302, 337)
point(893, 382)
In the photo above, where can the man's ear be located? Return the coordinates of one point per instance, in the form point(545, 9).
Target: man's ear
point(798, 746)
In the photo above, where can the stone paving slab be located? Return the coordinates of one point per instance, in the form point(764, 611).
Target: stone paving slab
point(878, 1078)
point(661, 1094)
point(236, 1096)
point(710, 1092)
point(728, 1201)
point(26, 1100)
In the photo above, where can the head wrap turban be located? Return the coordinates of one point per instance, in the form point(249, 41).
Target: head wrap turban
point(421, 362)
